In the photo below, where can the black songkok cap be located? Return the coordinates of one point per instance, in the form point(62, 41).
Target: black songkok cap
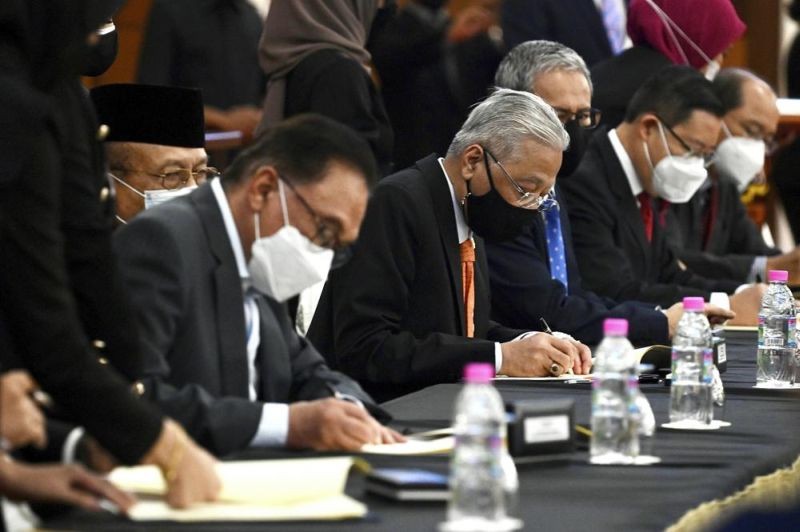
point(168, 116)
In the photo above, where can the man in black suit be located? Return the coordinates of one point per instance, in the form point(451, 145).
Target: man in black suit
point(209, 273)
point(411, 308)
point(536, 275)
point(596, 30)
point(619, 194)
point(712, 233)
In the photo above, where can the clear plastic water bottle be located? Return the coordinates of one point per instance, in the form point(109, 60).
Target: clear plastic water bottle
point(777, 331)
point(692, 361)
point(479, 475)
point(615, 415)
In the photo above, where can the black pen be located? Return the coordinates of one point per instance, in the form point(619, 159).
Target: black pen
point(555, 368)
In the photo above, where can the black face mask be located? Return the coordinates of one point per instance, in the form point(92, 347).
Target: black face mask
point(578, 139)
point(102, 55)
point(491, 217)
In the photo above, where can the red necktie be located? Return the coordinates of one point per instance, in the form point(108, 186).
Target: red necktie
point(646, 210)
point(467, 249)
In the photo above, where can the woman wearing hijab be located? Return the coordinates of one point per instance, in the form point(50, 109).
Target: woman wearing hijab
point(313, 53)
point(664, 32)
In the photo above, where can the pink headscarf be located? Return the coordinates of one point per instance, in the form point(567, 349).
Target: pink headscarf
point(712, 25)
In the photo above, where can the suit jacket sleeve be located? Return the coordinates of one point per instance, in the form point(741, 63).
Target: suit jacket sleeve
point(523, 292)
point(153, 266)
point(369, 300)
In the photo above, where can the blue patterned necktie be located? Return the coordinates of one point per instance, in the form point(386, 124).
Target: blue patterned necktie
point(555, 245)
point(614, 21)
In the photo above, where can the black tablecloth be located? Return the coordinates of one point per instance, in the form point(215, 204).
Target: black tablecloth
point(573, 495)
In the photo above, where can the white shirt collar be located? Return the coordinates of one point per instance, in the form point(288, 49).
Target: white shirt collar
point(462, 228)
point(626, 163)
point(231, 230)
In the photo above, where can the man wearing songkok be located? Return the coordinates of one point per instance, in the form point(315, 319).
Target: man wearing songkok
point(155, 143)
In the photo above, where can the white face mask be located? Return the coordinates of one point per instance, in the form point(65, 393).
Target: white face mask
point(286, 263)
point(676, 179)
point(740, 158)
point(152, 198)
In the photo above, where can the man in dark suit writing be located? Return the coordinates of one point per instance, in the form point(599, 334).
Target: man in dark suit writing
point(536, 274)
point(619, 195)
point(412, 305)
point(209, 273)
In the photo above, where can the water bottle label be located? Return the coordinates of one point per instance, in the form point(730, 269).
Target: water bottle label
point(708, 362)
point(791, 332)
point(760, 331)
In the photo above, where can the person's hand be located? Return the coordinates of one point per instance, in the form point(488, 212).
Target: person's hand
point(95, 457)
point(534, 355)
point(789, 262)
point(21, 421)
point(746, 304)
point(189, 471)
point(334, 425)
point(468, 23)
point(716, 315)
point(63, 484)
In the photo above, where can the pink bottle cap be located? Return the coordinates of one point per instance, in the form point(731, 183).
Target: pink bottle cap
point(778, 275)
point(478, 373)
point(615, 327)
point(694, 303)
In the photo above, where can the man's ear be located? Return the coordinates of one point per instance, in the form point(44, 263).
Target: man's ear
point(471, 159)
point(645, 125)
point(263, 182)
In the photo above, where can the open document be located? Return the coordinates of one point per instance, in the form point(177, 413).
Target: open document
point(260, 490)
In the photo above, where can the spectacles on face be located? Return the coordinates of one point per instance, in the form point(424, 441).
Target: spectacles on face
point(327, 233)
point(689, 151)
point(177, 178)
point(526, 200)
point(585, 118)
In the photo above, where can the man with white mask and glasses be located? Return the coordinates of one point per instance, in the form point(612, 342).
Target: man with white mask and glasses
point(623, 188)
point(155, 143)
point(210, 273)
point(712, 233)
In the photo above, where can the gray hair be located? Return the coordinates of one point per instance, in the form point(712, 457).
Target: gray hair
point(524, 62)
point(506, 118)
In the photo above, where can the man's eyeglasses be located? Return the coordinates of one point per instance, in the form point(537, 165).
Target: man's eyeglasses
point(526, 200)
point(327, 235)
point(756, 133)
point(178, 178)
point(690, 152)
point(585, 118)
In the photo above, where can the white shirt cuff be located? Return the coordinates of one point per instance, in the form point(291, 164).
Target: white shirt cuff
point(273, 428)
point(720, 299)
point(71, 445)
point(758, 270)
point(498, 350)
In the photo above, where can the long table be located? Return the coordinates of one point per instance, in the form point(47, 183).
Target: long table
point(572, 494)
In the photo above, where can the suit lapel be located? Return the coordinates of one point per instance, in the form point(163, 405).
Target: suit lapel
point(229, 307)
point(448, 235)
point(626, 202)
